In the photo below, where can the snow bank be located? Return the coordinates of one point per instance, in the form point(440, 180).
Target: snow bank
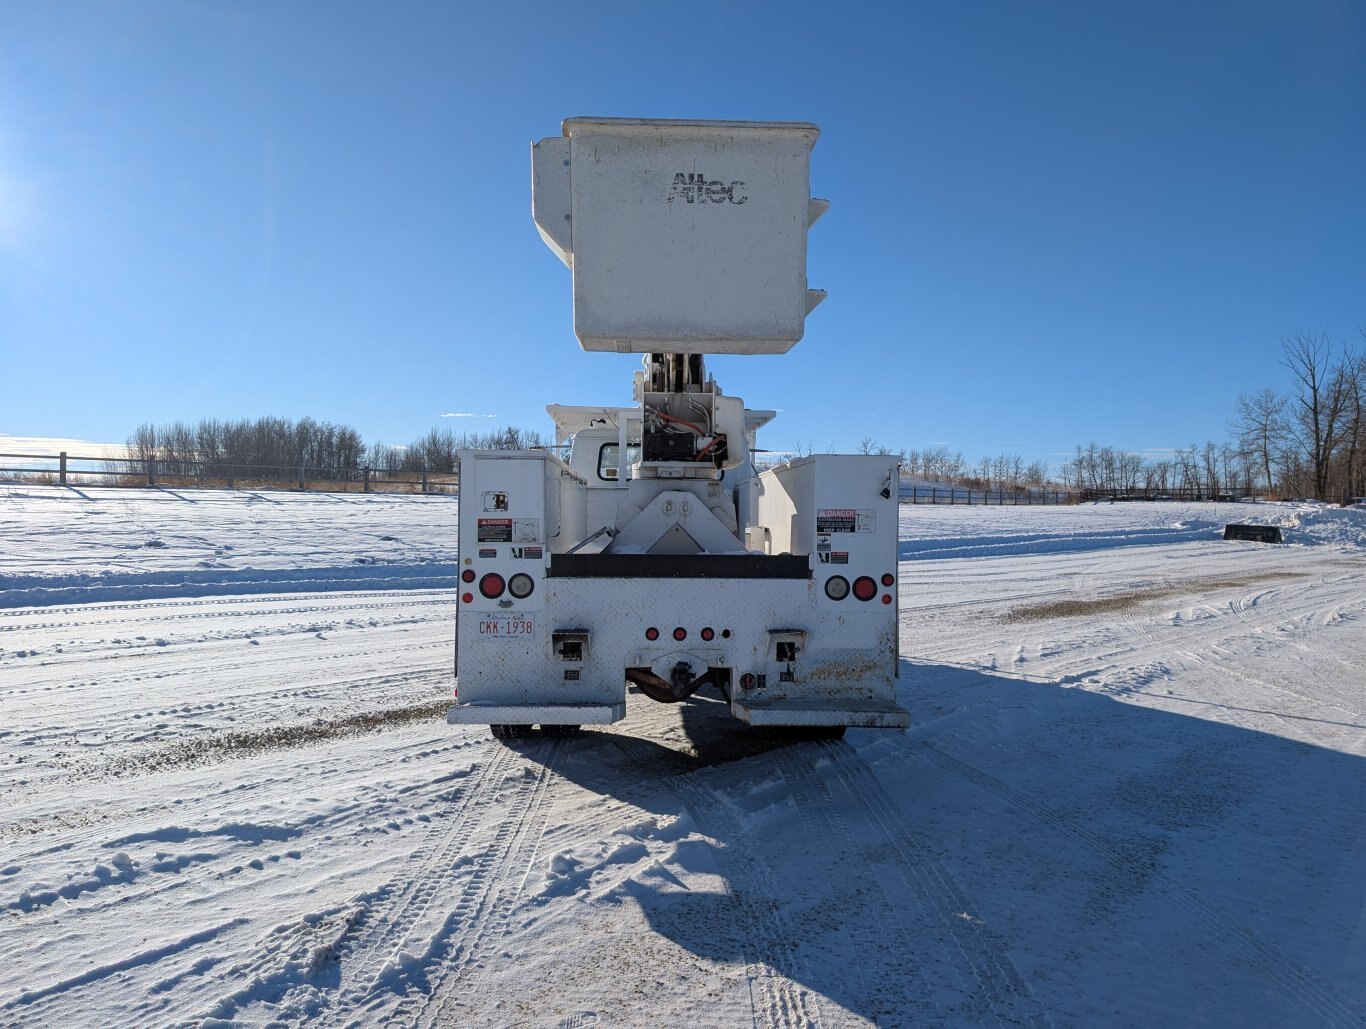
point(935, 533)
point(69, 545)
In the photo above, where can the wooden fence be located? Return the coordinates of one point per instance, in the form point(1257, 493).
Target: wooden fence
point(63, 469)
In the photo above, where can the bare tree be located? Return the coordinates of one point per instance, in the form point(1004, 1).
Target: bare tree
point(1186, 466)
point(1353, 371)
point(983, 472)
point(1317, 407)
point(1259, 427)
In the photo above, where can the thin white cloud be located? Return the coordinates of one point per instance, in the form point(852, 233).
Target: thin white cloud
point(466, 414)
point(51, 445)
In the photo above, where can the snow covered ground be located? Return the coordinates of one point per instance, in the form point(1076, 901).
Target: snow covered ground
point(1134, 793)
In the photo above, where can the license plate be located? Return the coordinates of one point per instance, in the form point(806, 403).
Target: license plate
point(506, 626)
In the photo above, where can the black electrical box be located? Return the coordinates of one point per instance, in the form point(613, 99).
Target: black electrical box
point(669, 446)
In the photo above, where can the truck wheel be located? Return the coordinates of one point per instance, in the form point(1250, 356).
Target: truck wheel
point(510, 732)
point(561, 730)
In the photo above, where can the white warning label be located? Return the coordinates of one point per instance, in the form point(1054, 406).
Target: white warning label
point(845, 519)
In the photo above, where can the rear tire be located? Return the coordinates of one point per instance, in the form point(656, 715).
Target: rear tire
point(510, 732)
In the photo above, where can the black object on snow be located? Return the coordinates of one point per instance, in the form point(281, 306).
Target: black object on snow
point(1254, 533)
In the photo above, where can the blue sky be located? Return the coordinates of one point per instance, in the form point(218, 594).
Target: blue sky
point(1051, 222)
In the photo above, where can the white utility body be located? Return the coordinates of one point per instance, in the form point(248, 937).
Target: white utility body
point(645, 548)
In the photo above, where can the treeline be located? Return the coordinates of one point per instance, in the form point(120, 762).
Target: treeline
point(940, 464)
point(248, 448)
point(435, 452)
point(274, 448)
point(1207, 472)
point(1308, 441)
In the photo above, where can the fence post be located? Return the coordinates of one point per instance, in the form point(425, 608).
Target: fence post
point(302, 485)
point(151, 471)
point(61, 468)
point(366, 470)
point(424, 477)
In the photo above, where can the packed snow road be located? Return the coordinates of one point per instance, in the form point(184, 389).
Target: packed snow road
point(1135, 790)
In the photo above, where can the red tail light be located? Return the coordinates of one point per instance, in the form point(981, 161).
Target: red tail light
point(652, 634)
point(865, 588)
point(492, 585)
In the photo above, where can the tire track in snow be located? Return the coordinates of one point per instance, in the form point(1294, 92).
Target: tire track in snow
point(776, 1000)
point(375, 927)
point(482, 915)
point(892, 999)
point(1201, 643)
point(1319, 1002)
point(1316, 614)
point(384, 960)
point(983, 959)
point(65, 828)
point(246, 699)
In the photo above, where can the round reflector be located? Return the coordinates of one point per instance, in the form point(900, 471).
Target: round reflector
point(886, 598)
point(492, 585)
point(467, 575)
point(680, 634)
point(837, 587)
point(468, 598)
point(865, 588)
point(709, 634)
point(888, 579)
point(652, 634)
point(521, 585)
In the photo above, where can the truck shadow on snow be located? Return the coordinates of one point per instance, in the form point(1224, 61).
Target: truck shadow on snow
point(1027, 852)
